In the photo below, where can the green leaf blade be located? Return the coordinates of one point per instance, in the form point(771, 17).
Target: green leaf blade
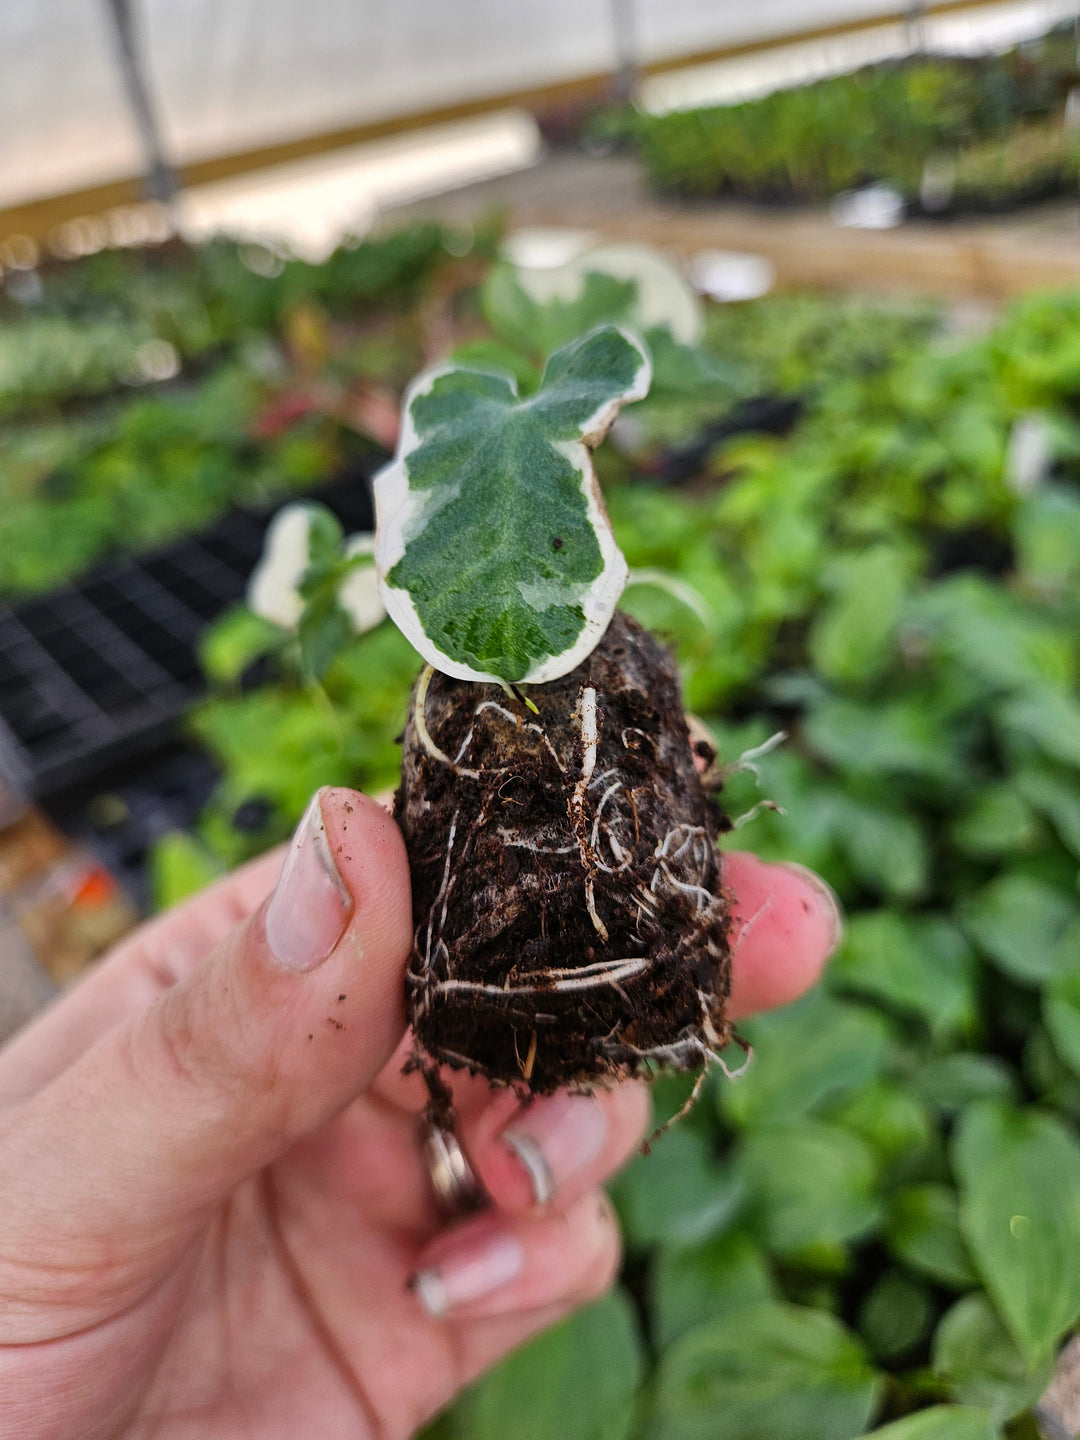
point(941, 1422)
point(1019, 1174)
point(495, 553)
point(768, 1369)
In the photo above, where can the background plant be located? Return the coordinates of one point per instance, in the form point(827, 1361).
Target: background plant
point(989, 129)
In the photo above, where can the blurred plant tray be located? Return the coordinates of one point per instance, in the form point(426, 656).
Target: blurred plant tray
point(99, 671)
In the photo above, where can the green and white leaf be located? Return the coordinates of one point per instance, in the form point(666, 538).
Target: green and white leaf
point(664, 296)
point(482, 487)
point(303, 547)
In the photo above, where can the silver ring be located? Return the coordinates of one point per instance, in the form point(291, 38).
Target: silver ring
point(453, 1179)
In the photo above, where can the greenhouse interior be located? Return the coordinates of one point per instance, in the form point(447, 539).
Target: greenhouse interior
point(637, 447)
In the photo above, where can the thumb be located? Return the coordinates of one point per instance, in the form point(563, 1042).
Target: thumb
point(121, 1158)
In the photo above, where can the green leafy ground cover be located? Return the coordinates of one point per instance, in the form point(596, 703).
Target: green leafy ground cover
point(142, 393)
point(955, 133)
point(877, 1229)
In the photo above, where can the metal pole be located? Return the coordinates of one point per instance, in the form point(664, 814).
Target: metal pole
point(161, 181)
point(624, 34)
point(914, 24)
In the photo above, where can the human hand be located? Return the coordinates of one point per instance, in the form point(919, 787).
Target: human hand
point(213, 1196)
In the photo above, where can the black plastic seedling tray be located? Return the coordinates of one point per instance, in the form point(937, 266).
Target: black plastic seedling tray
point(99, 671)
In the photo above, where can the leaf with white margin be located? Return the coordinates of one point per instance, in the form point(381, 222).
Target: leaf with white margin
point(358, 594)
point(495, 553)
point(274, 587)
point(664, 296)
point(303, 552)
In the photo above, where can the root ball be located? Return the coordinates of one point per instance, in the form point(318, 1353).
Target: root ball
point(570, 926)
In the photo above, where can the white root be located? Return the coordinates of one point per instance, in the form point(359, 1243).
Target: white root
point(589, 720)
point(746, 760)
point(755, 811)
point(515, 842)
point(610, 972)
point(424, 734)
point(443, 895)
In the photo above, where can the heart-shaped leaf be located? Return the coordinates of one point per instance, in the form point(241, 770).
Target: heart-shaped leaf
point(495, 553)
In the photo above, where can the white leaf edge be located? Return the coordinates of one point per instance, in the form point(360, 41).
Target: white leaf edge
point(665, 296)
point(273, 590)
point(397, 507)
point(359, 594)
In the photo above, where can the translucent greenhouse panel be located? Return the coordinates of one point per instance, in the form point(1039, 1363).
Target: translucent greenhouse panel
point(236, 74)
point(233, 75)
point(64, 117)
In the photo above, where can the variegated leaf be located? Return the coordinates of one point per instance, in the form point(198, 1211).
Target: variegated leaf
point(494, 550)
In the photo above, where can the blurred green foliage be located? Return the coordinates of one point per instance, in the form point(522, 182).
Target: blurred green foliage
point(953, 132)
point(142, 393)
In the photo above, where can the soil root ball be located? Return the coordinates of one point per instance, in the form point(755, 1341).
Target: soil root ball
point(570, 926)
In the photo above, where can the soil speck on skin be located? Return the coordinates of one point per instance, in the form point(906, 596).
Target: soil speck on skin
point(348, 808)
point(566, 882)
point(340, 998)
point(335, 1023)
point(311, 1037)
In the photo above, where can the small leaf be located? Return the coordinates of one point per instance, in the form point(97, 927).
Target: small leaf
point(981, 1364)
point(941, 1422)
point(324, 628)
point(235, 640)
point(921, 965)
point(274, 588)
point(895, 1315)
point(805, 1055)
point(923, 1230)
point(999, 821)
point(678, 1193)
point(851, 638)
point(1056, 796)
point(575, 1382)
point(1049, 718)
point(902, 737)
point(1048, 537)
point(809, 1186)
point(536, 321)
point(693, 1284)
point(1019, 1173)
point(1061, 1014)
point(884, 847)
point(889, 1117)
point(768, 1370)
point(496, 557)
point(954, 1081)
point(1025, 926)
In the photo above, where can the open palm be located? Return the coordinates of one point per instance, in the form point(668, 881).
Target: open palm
point(214, 1195)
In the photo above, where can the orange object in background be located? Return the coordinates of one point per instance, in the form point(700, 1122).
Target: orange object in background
point(65, 902)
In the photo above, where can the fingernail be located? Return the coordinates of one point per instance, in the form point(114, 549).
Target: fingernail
point(830, 901)
point(310, 906)
point(470, 1267)
point(556, 1139)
